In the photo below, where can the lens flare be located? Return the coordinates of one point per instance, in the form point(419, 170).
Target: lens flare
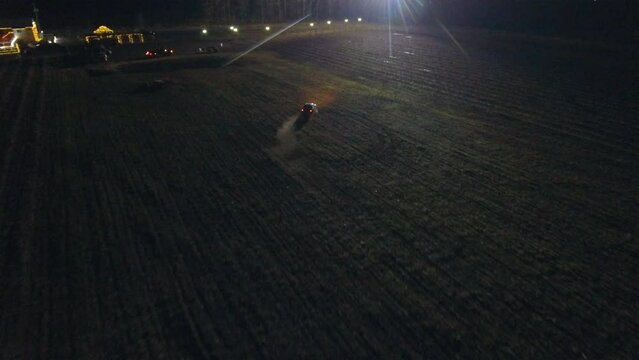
point(265, 41)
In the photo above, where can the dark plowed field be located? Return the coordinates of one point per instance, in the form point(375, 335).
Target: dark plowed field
point(438, 206)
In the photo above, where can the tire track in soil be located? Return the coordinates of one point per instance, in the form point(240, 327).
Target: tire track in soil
point(322, 172)
point(467, 94)
point(604, 215)
point(353, 117)
point(251, 142)
point(506, 172)
point(342, 132)
point(175, 281)
point(443, 287)
point(452, 277)
point(258, 150)
point(462, 154)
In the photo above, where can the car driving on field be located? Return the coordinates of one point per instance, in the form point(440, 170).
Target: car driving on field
point(306, 112)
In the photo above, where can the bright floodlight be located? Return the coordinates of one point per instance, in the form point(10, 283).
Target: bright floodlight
point(359, 19)
point(345, 20)
point(328, 22)
point(235, 29)
point(268, 28)
point(312, 24)
point(204, 31)
point(231, 27)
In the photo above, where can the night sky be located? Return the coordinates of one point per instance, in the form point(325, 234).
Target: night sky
point(540, 16)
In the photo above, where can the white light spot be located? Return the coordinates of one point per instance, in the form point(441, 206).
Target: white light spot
point(268, 28)
point(328, 22)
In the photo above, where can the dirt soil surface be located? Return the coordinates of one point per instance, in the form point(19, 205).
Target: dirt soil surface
point(439, 205)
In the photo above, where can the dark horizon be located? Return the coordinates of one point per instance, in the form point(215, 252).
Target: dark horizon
point(597, 18)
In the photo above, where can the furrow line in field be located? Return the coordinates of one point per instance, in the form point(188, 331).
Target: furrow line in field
point(112, 231)
point(11, 113)
point(437, 292)
point(465, 96)
point(170, 203)
point(452, 277)
point(274, 199)
point(135, 249)
point(476, 76)
point(443, 52)
point(238, 227)
point(410, 166)
point(464, 155)
point(517, 176)
point(16, 219)
point(392, 205)
point(37, 233)
point(10, 74)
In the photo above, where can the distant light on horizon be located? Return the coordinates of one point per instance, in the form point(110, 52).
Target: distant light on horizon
point(231, 27)
point(312, 24)
point(268, 28)
point(235, 29)
point(345, 20)
point(359, 19)
point(328, 22)
point(204, 31)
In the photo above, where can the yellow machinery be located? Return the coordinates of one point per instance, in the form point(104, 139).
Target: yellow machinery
point(105, 35)
point(12, 37)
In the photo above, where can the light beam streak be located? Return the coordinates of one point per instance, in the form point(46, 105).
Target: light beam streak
point(264, 41)
point(452, 38)
point(390, 36)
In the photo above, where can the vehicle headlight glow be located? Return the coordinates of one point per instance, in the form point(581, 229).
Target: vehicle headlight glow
point(328, 22)
point(312, 24)
point(345, 20)
point(268, 28)
point(359, 19)
point(204, 31)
